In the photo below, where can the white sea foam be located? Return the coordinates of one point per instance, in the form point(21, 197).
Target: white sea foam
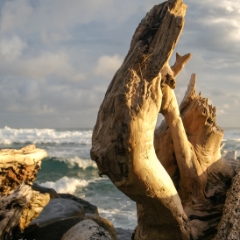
point(81, 163)
point(52, 136)
point(232, 134)
point(66, 185)
point(44, 136)
point(119, 217)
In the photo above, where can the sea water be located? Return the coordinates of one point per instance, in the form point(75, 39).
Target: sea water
point(69, 169)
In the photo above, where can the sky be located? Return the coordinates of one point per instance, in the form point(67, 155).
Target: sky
point(57, 57)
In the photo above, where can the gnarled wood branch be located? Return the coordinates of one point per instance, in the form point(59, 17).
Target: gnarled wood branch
point(200, 174)
point(180, 63)
point(123, 136)
point(175, 173)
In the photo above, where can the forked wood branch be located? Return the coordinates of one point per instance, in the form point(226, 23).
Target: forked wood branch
point(180, 63)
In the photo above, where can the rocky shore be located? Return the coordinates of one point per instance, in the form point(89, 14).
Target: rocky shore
point(69, 217)
point(30, 211)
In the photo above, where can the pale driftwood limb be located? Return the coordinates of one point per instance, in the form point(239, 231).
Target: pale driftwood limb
point(190, 93)
point(203, 177)
point(163, 143)
point(186, 147)
point(180, 63)
point(18, 209)
point(123, 136)
point(34, 207)
point(18, 166)
point(28, 155)
point(19, 204)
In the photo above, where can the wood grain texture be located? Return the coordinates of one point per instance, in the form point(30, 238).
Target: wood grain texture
point(19, 204)
point(175, 173)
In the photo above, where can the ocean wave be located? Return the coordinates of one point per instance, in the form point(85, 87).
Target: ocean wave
point(66, 184)
point(44, 136)
point(231, 139)
point(76, 161)
point(10, 136)
point(120, 217)
point(232, 134)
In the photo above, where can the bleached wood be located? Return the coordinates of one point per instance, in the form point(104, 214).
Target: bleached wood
point(28, 155)
point(18, 209)
point(123, 135)
point(180, 63)
point(175, 173)
point(18, 166)
point(19, 204)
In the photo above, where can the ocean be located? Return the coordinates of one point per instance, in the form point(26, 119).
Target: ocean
point(69, 169)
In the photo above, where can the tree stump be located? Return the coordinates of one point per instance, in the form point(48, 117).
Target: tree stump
point(175, 173)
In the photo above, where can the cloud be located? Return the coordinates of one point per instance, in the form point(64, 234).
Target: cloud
point(57, 57)
point(217, 92)
point(108, 65)
point(48, 18)
point(40, 67)
point(46, 64)
point(15, 14)
point(12, 48)
point(221, 112)
point(212, 28)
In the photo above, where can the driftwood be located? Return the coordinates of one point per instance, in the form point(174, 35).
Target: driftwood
point(18, 209)
point(175, 173)
point(18, 166)
point(19, 204)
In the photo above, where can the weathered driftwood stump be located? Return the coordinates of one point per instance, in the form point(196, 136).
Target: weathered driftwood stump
point(19, 204)
point(175, 173)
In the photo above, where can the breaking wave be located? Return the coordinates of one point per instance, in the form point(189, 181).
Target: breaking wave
point(44, 136)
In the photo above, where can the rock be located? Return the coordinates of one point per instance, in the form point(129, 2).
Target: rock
point(104, 223)
point(86, 230)
point(52, 231)
point(56, 219)
point(42, 189)
point(58, 209)
point(90, 209)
